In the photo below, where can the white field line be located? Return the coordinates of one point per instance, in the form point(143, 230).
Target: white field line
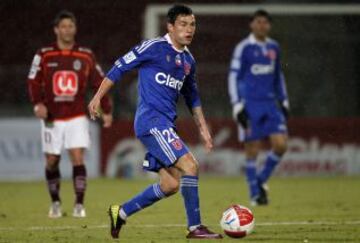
point(102, 226)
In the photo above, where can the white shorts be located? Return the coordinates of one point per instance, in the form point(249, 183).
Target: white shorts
point(73, 133)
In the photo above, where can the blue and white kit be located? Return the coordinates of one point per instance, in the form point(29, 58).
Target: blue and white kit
point(164, 73)
point(256, 80)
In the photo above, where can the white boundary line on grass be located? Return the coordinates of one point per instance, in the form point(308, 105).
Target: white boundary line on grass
point(102, 226)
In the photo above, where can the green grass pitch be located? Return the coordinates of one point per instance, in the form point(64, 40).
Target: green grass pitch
point(301, 210)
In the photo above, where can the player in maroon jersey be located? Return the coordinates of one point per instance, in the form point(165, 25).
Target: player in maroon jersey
point(58, 81)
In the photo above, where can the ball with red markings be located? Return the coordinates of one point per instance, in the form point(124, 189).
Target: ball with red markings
point(237, 221)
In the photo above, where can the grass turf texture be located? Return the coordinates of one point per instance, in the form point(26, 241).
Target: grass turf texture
point(301, 210)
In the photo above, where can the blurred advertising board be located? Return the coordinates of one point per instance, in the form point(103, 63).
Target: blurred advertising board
point(21, 157)
point(317, 146)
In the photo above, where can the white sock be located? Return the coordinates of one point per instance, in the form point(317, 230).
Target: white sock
point(122, 214)
point(193, 227)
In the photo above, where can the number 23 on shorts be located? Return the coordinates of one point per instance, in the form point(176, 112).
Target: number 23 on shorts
point(172, 138)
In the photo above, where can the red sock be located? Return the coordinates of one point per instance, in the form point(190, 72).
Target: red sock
point(53, 183)
point(79, 180)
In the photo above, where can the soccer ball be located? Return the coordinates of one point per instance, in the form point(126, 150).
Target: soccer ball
point(237, 221)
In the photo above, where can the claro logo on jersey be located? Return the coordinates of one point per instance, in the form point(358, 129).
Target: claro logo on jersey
point(166, 79)
point(65, 85)
point(262, 69)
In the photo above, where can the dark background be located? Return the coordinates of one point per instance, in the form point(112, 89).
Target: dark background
point(320, 53)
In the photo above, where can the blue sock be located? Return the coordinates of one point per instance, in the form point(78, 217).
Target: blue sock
point(271, 161)
point(146, 198)
point(190, 193)
point(251, 178)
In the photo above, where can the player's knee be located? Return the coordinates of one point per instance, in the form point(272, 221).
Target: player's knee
point(251, 153)
point(280, 148)
point(251, 150)
point(77, 162)
point(188, 165)
point(52, 166)
point(52, 162)
point(192, 168)
point(169, 186)
point(251, 156)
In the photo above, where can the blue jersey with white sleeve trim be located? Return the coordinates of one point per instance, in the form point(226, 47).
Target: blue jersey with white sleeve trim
point(165, 73)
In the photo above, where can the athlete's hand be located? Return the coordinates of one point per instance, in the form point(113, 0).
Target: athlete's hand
point(107, 120)
point(207, 139)
point(94, 107)
point(239, 114)
point(40, 111)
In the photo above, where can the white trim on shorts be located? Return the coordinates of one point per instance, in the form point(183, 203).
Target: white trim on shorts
point(163, 144)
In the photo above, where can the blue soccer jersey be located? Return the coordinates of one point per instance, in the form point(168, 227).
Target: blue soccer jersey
point(256, 79)
point(255, 72)
point(165, 73)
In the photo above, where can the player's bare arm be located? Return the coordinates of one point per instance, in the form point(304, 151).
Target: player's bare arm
point(200, 121)
point(94, 104)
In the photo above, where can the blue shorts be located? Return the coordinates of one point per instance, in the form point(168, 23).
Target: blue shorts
point(265, 119)
point(164, 147)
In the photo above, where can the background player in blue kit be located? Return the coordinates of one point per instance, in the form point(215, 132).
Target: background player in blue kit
point(166, 71)
point(260, 103)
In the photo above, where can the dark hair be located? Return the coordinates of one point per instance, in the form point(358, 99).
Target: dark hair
point(261, 13)
point(177, 10)
point(64, 14)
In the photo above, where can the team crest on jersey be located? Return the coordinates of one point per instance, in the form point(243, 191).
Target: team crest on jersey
point(178, 60)
point(177, 144)
point(77, 65)
point(271, 54)
point(187, 68)
point(65, 85)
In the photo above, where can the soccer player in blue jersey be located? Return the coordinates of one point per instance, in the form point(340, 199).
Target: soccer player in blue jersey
point(260, 102)
point(166, 71)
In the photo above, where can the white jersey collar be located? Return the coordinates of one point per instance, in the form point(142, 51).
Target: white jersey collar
point(167, 37)
point(253, 40)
